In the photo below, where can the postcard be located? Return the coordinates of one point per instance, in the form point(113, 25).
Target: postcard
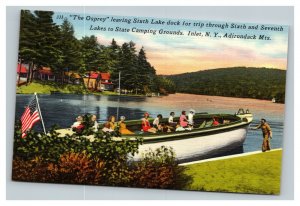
point(132, 101)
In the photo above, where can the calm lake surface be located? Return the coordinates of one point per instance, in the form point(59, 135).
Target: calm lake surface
point(62, 109)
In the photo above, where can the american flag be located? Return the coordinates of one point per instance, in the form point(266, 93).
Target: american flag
point(30, 116)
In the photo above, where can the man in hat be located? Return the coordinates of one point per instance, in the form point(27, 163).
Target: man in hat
point(267, 134)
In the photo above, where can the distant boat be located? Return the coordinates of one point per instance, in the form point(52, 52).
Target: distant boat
point(203, 141)
point(274, 100)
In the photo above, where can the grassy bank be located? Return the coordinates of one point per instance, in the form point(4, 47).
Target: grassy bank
point(47, 87)
point(258, 173)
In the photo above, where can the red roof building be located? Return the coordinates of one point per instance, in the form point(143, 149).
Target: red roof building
point(105, 78)
point(98, 80)
point(94, 75)
point(23, 69)
point(46, 74)
point(21, 74)
point(46, 70)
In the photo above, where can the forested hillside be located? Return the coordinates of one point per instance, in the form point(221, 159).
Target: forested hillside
point(258, 83)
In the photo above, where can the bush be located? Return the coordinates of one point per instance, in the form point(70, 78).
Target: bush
point(159, 169)
point(78, 168)
point(74, 159)
point(32, 171)
point(51, 146)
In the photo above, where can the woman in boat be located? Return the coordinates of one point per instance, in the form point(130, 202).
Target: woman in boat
point(179, 128)
point(123, 129)
point(171, 120)
point(146, 127)
point(107, 128)
point(112, 122)
point(156, 123)
point(215, 122)
point(94, 123)
point(183, 120)
point(78, 126)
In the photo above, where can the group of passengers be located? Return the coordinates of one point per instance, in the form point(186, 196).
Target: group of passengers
point(108, 126)
point(186, 122)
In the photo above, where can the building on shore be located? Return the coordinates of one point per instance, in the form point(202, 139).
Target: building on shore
point(98, 81)
point(22, 72)
point(46, 74)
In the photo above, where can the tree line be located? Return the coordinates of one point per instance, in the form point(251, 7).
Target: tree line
point(46, 44)
point(247, 82)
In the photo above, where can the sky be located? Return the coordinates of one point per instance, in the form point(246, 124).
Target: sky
point(174, 54)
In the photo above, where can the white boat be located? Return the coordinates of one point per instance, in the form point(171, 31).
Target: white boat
point(203, 141)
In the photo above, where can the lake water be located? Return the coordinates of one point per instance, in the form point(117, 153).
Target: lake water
point(62, 109)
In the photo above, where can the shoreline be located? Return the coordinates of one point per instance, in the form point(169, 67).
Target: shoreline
point(50, 87)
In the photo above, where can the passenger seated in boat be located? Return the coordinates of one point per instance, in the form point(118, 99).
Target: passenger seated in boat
point(107, 128)
point(215, 122)
point(123, 129)
point(179, 128)
point(165, 128)
point(171, 120)
point(189, 127)
point(156, 123)
point(78, 126)
point(112, 122)
point(226, 121)
point(183, 120)
point(191, 117)
point(94, 123)
point(146, 127)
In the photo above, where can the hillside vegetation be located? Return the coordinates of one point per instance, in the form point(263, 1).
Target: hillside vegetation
point(249, 82)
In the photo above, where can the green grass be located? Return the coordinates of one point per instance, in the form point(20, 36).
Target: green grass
point(258, 173)
point(47, 87)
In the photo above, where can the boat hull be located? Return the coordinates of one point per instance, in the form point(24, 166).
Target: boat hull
point(202, 146)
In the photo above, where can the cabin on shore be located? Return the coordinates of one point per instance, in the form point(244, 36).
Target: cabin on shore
point(72, 77)
point(98, 81)
point(45, 74)
point(22, 72)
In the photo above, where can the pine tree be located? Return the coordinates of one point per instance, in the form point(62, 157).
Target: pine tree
point(70, 49)
point(145, 71)
point(128, 67)
point(48, 33)
point(90, 50)
point(28, 53)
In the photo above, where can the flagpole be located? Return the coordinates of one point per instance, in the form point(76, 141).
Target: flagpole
point(40, 113)
point(119, 83)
